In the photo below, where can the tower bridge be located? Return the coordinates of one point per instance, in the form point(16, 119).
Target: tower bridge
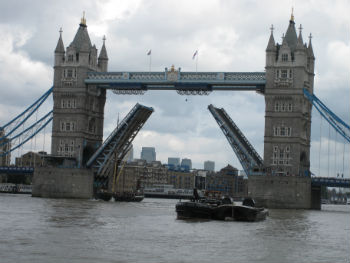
point(185, 83)
point(280, 179)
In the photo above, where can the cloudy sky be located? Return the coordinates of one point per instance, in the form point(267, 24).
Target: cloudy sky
point(231, 35)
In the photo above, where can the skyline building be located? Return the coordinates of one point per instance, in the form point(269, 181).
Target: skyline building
point(209, 166)
point(185, 162)
point(148, 154)
point(175, 161)
point(130, 154)
point(4, 147)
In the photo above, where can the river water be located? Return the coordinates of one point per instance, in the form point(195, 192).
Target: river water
point(60, 230)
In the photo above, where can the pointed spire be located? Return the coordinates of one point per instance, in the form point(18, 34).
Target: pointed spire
point(83, 20)
point(292, 15)
point(291, 35)
point(300, 44)
point(284, 42)
point(60, 46)
point(271, 46)
point(81, 41)
point(309, 48)
point(103, 53)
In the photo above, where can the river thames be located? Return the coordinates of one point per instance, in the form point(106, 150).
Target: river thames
point(61, 230)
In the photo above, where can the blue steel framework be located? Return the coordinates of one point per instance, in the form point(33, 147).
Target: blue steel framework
point(250, 160)
point(16, 170)
point(28, 133)
point(185, 83)
point(331, 182)
point(119, 140)
point(337, 123)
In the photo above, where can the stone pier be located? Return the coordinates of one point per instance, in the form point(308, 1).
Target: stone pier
point(53, 182)
point(283, 192)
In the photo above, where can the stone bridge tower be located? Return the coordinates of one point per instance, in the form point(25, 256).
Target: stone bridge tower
point(78, 111)
point(289, 69)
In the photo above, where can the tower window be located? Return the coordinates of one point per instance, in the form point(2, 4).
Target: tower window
point(68, 126)
point(290, 107)
point(277, 74)
point(283, 131)
point(277, 106)
point(284, 57)
point(284, 73)
point(69, 73)
point(77, 57)
point(70, 58)
point(283, 107)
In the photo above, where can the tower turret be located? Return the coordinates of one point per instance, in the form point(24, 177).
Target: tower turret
point(103, 57)
point(59, 51)
point(300, 51)
point(310, 56)
point(271, 49)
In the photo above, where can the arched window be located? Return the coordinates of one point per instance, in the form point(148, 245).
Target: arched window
point(284, 57)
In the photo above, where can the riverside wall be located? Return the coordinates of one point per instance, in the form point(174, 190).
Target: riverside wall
point(53, 182)
point(283, 192)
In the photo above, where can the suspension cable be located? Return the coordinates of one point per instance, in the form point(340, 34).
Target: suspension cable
point(44, 140)
point(36, 120)
point(335, 155)
point(343, 171)
point(320, 149)
point(329, 142)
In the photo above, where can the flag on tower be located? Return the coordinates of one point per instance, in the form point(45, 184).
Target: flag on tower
point(149, 52)
point(195, 54)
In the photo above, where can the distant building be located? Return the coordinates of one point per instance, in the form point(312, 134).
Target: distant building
point(174, 161)
point(31, 159)
point(139, 173)
point(209, 166)
point(181, 180)
point(5, 147)
point(186, 163)
point(200, 178)
point(148, 154)
point(228, 182)
point(130, 154)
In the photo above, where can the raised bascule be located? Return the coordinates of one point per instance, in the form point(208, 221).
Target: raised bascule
point(281, 179)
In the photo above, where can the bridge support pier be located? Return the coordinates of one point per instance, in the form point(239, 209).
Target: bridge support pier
point(316, 197)
point(54, 182)
point(282, 192)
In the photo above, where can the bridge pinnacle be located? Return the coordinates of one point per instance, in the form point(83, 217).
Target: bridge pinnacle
point(83, 20)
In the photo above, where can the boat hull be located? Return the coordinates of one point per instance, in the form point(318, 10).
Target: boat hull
point(103, 195)
point(190, 210)
point(124, 198)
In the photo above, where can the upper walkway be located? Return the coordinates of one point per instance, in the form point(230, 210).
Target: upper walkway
point(331, 182)
point(185, 83)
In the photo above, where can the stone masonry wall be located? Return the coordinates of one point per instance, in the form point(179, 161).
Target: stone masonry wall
point(52, 182)
point(287, 192)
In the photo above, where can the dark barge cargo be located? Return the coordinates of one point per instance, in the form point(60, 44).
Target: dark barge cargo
point(220, 210)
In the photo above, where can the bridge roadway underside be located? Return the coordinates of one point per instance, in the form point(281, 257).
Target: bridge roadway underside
point(284, 192)
point(185, 83)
